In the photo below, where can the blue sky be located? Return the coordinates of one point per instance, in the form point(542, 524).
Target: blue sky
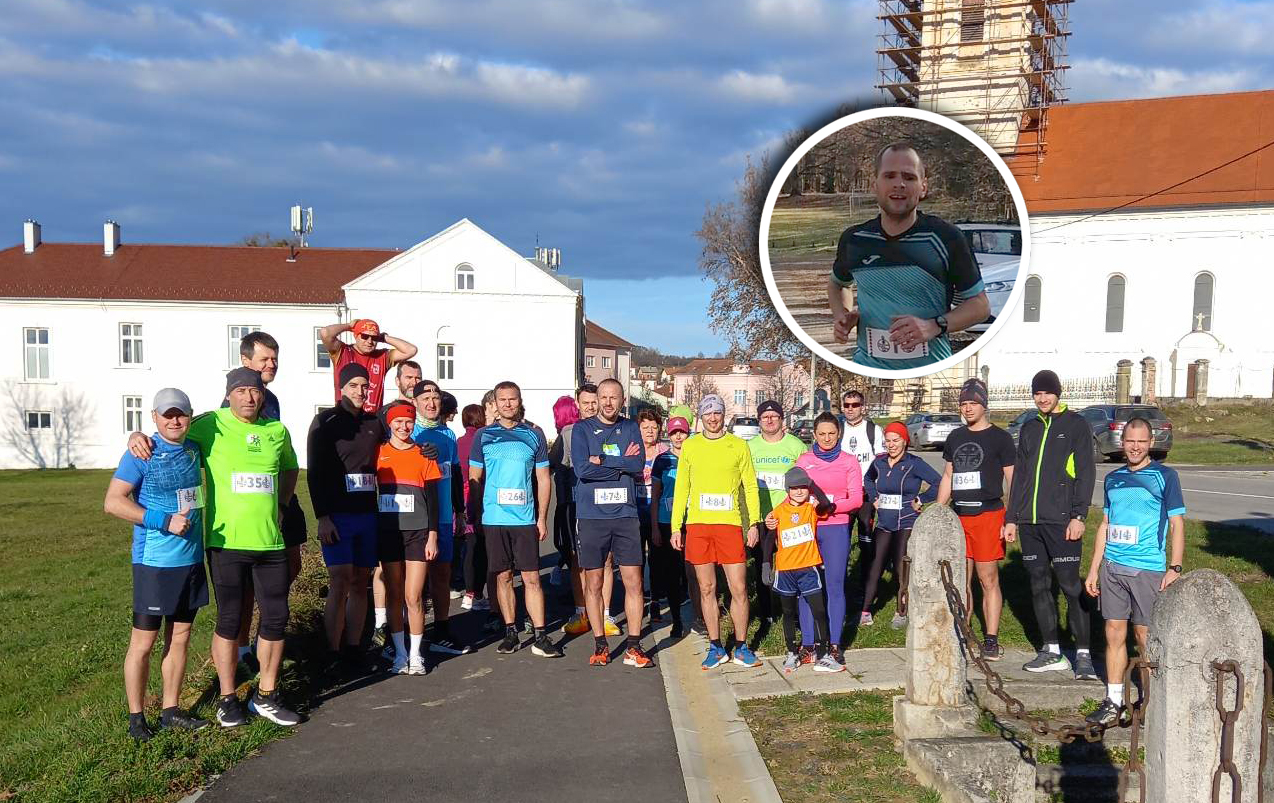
point(604, 127)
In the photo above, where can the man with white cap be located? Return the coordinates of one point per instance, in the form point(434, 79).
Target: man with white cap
point(163, 498)
point(712, 469)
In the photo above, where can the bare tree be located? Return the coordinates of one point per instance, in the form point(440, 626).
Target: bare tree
point(60, 445)
point(700, 385)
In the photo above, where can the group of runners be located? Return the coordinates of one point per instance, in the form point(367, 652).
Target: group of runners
point(393, 489)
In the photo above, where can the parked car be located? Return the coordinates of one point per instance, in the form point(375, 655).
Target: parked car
point(1014, 427)
point(745, 427)
point(1107, 423)
point(998, 249)
point(803, 429)
point(931, 429)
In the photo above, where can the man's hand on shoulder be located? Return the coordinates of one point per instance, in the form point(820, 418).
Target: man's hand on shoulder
point(429, 451)
point(139, 446)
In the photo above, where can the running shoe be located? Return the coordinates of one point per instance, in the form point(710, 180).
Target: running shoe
point(456, 593)
point(791, 663)
point(611, 629)
point(577, 625)
point(834, 652)
point(1107, 714)
point(828, 664)
point(269, 707)
point(991, 650)
point(716, 657)
point(1045, 661)
point(636, 656)
point(898, 622)
point(416, 666)
point(483, 604)
point(600, 656)
point(139, 730)
point(388, 653)
point(699, 628)
point(743, 656)
point(230, 713)
point(656, 617)
point(678, 629)
point(806, 655)
point(466, 602)
point(449, 646)
point(546, 649)
point(865, 619)
point(180, 720)
point(380, 637)
point(400, 666)
point(1084, 669)
point(509, 644)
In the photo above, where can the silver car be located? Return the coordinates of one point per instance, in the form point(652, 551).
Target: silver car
point(746, 427)
point(931, 429)
point(998, 250)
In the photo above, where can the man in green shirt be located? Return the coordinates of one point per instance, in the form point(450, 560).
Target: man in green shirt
point(773, 453)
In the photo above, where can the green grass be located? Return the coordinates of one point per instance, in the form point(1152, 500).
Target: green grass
point(813, 224)
point(833, 747)
point(1213, 452)
point(65, 599)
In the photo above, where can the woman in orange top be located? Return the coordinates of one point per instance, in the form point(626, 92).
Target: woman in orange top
point(798, 566)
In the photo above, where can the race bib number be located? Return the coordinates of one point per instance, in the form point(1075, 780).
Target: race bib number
point(360, 483)
point(610, 450)
point(770, 481)
point(716, 502)
point(890, 502)
point(610, 496)
point(797, 536)
point(1122, 534)
point(881, 347)
point(190, 498)
point(511, 496)
point(244, 483)
point(397, 503)
point(966, 481)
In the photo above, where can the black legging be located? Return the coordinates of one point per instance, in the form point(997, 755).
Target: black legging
point(862, 521)
point(667, 572)
point(1044, 547)
point(475, 562)
point(564, 524)
point(889, 544)
point(818, 609)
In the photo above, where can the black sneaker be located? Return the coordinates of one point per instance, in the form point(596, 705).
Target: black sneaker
point(449, 646)
point(509, 644)
point(1106, 715)
point(837, 656)
point(381, 639)
point(1084, 669)
point(546, 649)
point(181, 721)
point(139, 730)
point(230, 713)
point(678, 629)
point(269, 707)
point(991, 650)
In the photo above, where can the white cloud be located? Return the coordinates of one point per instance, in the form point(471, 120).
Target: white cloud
point(1106, 79)
point(768, 88)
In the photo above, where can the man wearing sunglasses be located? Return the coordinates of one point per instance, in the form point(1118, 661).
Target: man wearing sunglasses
point(864, 440)
point(366, 352)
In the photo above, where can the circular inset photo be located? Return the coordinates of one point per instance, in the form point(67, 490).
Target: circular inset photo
point(891, 242)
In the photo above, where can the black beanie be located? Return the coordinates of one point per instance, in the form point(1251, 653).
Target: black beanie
point(1046, 381)
point(351, 371)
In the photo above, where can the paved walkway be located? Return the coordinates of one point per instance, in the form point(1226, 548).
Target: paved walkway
point(481, 727)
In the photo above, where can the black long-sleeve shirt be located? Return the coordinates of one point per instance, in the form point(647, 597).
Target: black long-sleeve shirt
point(343, 444)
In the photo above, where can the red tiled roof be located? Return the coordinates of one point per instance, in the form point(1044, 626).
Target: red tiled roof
point(1101, 155)
point(595, 335)
point(724, 365)
point(184, 272)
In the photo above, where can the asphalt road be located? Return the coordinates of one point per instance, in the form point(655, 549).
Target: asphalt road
point(1240, 495)
point(480, 727)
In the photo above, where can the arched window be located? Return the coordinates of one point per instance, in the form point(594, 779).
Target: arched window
point(464, 277)
point(1201, 315)
point(1031, 304)
point(1115, 303)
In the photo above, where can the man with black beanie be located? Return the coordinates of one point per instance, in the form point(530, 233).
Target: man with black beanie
point(1053, 478)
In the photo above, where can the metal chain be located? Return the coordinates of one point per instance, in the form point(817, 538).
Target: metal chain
point(1265, 729)
point(1228, 719)
point(1134, 763)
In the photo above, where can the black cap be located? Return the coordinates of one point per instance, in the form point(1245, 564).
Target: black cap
point(1046, 381)
point(449, 405)
point(350, 371)
point(243, 378)
point(767, 406)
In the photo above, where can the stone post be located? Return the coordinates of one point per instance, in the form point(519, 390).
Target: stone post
point(1201, 618)
point(1201, 383)
point(1148, 378)
point(1123, 382)
point(935, 703)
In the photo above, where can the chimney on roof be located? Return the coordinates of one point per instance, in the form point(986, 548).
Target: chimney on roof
point(110, 238)
point(30, 236)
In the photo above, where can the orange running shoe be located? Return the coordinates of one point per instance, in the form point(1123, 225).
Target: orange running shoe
point(600, 656)
point(577, 625)
point(636, 656)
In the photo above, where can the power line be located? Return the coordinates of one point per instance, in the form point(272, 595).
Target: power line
point(1209, 171)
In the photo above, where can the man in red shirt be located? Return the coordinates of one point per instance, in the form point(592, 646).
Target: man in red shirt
point(365, 352)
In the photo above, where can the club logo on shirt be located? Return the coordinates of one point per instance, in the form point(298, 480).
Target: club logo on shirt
point(870, 259)
point(967, 457)
point(853, 442)
point(375, 368)
point(796, 517)
point(253, 441)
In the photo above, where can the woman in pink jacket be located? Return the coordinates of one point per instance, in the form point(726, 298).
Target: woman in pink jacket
point(837, 474)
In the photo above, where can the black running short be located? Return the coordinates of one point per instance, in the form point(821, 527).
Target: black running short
point(393, 546)
point(169, 590)
point(597, 538)
point(293, 524)
point(232, 570)
point(512, 548)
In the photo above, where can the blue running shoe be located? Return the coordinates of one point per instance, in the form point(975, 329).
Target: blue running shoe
point(716, 657)
point(744, 656)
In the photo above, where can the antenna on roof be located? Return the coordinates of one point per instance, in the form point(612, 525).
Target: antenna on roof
point(302, 222)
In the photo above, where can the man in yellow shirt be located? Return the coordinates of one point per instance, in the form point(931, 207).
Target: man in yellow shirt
point(714, 466)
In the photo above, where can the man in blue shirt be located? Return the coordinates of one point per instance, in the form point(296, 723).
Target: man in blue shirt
point(163, 498)
point(608, 459)
point(1143, 523)
point(513, 512)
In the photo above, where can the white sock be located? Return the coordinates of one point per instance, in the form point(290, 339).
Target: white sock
point(1115, 691)
point(605, 613)
point(1082, 654)
point(381, 617)
point(399, 646)
point(416, 639)
point(1053, 647)
point(244, 649)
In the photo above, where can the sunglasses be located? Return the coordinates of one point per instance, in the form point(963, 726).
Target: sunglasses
point(851, 404)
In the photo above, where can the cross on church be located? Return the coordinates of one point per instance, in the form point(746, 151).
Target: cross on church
point(1198, 321)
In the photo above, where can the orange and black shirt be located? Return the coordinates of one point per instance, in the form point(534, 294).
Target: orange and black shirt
point(407, 489)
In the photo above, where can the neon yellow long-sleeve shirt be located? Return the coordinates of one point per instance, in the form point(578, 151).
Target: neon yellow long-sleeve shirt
point(709, 476)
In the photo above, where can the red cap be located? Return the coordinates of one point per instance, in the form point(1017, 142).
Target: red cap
point(366, 326)
point(400, 409)
point(677, 423)
point(901, 431)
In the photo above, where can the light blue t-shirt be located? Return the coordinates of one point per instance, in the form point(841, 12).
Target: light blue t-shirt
point(172, 475)
point(1138, 505)
point(448, 456)
point(665, 470)
point(508, 457)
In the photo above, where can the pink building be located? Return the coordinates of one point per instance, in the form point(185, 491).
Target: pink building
point(742, 385)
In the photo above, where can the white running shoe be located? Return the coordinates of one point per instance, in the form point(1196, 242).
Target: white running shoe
point(466, 602)
point(417, 666)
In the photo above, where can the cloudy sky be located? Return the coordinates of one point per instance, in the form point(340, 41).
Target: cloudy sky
point(603, 128)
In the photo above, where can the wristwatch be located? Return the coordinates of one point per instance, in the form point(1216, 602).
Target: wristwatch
point(1176, 568)
point(941, 320)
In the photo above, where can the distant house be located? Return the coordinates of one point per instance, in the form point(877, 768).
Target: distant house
point(606, 355)
point(741, 385)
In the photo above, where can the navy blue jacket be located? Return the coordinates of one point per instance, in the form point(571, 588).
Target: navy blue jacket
point(901, 484)
point(616, 478)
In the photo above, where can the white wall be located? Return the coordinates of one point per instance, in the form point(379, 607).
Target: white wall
point(1159, 253)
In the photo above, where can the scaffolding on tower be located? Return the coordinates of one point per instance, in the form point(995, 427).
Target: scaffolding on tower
point(995, 65)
